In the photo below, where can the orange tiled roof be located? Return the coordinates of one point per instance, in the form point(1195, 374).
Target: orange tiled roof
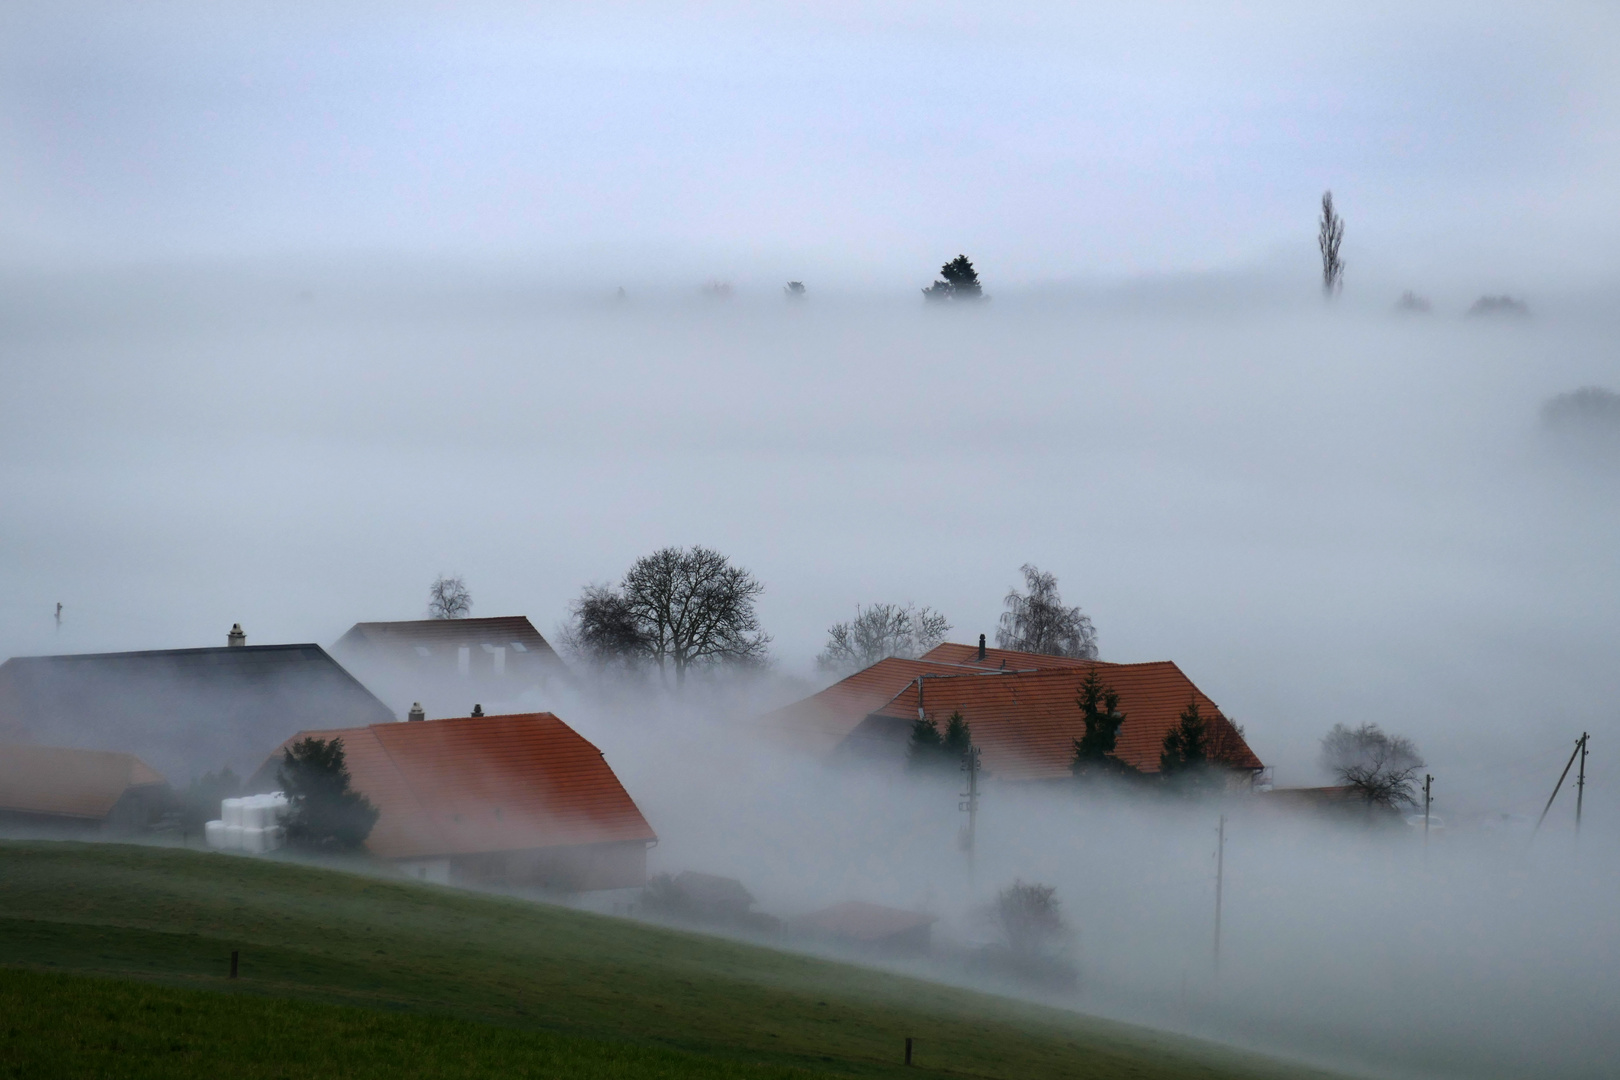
point(1021, 706)
point(70, 783)
point(823, 720)
point(483, 784)
point(1003, 659)
point(1026, 722)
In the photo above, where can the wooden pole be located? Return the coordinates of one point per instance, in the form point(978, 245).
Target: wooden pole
point(908, 1049)
point(1578, 744)
point(1580, 784)
point(1220, 881)
point(234, 956)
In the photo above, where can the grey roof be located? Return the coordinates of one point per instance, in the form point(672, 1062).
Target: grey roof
point(448, 664)
point(184, 711)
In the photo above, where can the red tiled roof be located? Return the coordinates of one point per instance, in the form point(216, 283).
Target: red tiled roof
point(1026, 722)
point(823, 720)
point(70, 783)
point(1021, 707)
point(1004, 659)
point(484, 784)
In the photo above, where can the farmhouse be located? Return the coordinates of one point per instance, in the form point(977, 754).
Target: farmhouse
point(492, 800)
point(56, 791)
point(183, 711)
point(448, 665)
point(1021, 707)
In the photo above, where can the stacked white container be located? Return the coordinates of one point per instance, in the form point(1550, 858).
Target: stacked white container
point(251, 824)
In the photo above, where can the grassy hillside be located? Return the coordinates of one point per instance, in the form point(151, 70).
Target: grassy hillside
point(572, 983)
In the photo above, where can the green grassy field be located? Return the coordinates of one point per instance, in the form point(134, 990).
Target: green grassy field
point(437, 982)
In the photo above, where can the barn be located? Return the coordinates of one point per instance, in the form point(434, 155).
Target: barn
point(494, 801)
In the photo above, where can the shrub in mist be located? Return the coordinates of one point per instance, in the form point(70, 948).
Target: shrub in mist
point(1411, 303)
point(201, 802)
point(1499, 305)
point(1037, 621)
point(1094, 751)
point(705, 899)
point(323, 812)
point(934, 753)
point(448, 598)
point(794, 290)
point(1034, 937)
point(958, 281)
point(881, 631)
point(1588, 412)
point(1381, 768)
point(676, 609)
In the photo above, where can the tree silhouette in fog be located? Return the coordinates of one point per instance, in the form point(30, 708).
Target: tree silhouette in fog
point(1037, 621)
point(881, 631)
point(1382, 768)
point(323, 812)
point(1329, 235)
point(448, 598)
point(957, 281)
point(677, 609)
point(1099, 712)
point(930, 751)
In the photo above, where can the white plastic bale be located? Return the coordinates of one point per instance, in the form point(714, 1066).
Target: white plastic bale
point(214, 834)
point(230, 811)
point(274, 837)
point(253, 840)
point(233, 837)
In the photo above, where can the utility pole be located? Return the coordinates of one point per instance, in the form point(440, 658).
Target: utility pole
point(59, 616)
point(1580, 784)
point(1428, 800)
point(1580, 746)
point(1220, 881)
point(970, 803)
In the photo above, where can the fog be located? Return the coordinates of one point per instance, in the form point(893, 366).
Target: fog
point(296, 316)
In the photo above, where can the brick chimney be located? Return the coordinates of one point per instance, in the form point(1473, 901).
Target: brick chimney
point(416, 712)
point(478, 710)
point(236, 639)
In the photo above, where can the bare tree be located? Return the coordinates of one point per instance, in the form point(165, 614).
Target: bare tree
point(1037, 621)
point(881, 631)
point(1330, 234)
point(448, 598)
point(1027, 915)
point(694, 608)
point(1382, 768)
point(604, 631)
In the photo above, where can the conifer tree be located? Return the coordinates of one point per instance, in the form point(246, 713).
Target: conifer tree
point(1099, 709)
point(1184, 761)
point(323, 812)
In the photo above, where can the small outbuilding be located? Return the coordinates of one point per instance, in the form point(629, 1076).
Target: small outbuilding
point(892, 931)
point(519, 800)
point(56, 790)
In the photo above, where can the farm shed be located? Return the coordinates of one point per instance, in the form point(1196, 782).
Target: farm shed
point(55, 790)
point(492, 800)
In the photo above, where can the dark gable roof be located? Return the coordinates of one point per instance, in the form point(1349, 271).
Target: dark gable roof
point(184, 711)
point(441, 638)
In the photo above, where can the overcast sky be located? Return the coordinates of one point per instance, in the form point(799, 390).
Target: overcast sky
point(282, 335)
point(1054, 142)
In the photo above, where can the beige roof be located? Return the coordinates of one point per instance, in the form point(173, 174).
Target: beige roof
point(68, 783)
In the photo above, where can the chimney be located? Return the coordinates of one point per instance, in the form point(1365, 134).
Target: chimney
point(981, 646)
point(416, 712)
point(236, 639)
point(478, 710)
